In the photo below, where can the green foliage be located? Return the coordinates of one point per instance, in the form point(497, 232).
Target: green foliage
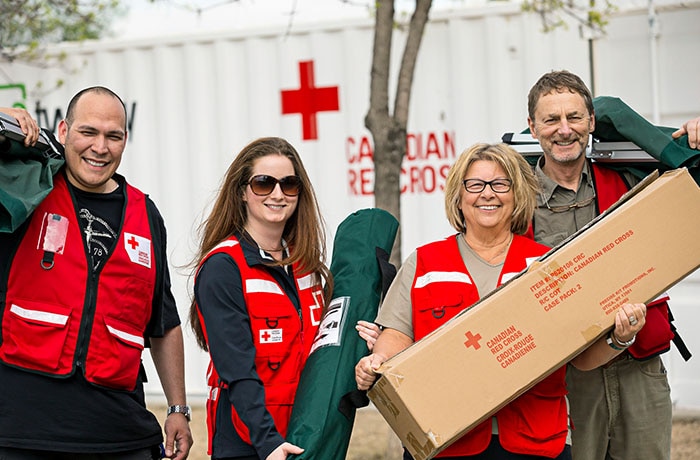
point(29, 25)
point(554, 13)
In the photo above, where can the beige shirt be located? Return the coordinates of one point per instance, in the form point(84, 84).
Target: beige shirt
point(396, 311)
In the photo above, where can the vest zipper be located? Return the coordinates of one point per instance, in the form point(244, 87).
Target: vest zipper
point(87, 319)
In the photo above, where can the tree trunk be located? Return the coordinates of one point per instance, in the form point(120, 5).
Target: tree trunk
point(389, 130)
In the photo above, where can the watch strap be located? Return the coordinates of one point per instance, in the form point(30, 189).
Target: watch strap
point(181, 409)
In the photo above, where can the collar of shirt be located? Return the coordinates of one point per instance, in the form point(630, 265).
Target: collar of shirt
point(256, 256)
point(282, 273)
point(549, 186)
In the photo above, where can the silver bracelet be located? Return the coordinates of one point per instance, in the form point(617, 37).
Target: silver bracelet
point(621, 343)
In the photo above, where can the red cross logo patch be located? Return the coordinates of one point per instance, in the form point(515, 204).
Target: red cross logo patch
point(270, 336)
point(138, 248)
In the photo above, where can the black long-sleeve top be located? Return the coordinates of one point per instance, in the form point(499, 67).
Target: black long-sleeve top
point(218, 291)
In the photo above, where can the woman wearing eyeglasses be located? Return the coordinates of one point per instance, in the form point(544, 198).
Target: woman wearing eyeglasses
point(258, 298)
point(490, 197)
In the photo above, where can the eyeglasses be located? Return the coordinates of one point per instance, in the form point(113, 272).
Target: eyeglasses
point(264, 185)
point(568, 207)
point(478, 186)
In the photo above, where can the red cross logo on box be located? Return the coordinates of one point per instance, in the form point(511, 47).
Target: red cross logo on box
point(309, 100)
point(472, 340)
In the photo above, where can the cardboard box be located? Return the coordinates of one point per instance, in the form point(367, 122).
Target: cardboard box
point(461, 374)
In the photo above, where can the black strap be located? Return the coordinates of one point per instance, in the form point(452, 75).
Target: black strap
point(677, 340)
point(352, 400)
point(386, 268)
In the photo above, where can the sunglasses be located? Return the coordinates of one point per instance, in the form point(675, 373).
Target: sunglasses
point(264, 185)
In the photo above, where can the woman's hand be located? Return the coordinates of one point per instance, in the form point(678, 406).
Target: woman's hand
point(366, 370)
point(283, 451)
point(389, 342)
point(369, 332)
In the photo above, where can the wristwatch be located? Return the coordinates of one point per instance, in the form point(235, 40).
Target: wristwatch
point(179, 409)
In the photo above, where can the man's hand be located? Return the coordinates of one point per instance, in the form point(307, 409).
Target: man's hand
point(692, 129)
point(168, 357)
point(629, 320)
point(29, 126)
point(178, 437)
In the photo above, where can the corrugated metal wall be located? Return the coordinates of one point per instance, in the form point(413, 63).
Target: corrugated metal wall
point(197, 100)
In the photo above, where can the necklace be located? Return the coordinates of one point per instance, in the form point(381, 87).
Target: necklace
point(280, 249)
point(493, 257)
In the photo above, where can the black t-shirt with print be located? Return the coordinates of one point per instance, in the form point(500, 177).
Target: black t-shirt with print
point(70, 414)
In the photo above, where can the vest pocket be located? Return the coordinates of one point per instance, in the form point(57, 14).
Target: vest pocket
point(440, 309)
point(274, 330)
point(114, 356)
point(34, 335)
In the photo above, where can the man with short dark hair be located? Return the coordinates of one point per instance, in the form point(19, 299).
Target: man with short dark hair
point(85, 287)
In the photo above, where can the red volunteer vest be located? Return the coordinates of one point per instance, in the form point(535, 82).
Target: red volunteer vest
point(55, 316)
point(536, 422)
point(656, 335)
point(282, 339)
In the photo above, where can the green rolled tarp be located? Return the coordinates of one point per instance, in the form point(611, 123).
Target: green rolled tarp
point(615, 121)
point(327, 396)
point(26, 177)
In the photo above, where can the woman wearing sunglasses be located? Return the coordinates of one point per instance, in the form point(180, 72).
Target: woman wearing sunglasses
point(490, 198)
point(258, 298)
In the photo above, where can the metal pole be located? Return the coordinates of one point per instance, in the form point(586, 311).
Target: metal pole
point(653, 62)
point(591, 64)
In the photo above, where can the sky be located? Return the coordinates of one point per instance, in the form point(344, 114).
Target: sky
point(148, 18)
point(165, 17)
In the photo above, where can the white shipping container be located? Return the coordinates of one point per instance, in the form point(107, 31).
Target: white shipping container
point(194, 101)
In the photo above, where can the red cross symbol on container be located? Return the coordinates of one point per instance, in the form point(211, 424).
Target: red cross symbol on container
point(472, 340)
point(308, 100)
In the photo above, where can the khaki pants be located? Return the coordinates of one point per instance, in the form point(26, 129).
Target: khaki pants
point(621, 411)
